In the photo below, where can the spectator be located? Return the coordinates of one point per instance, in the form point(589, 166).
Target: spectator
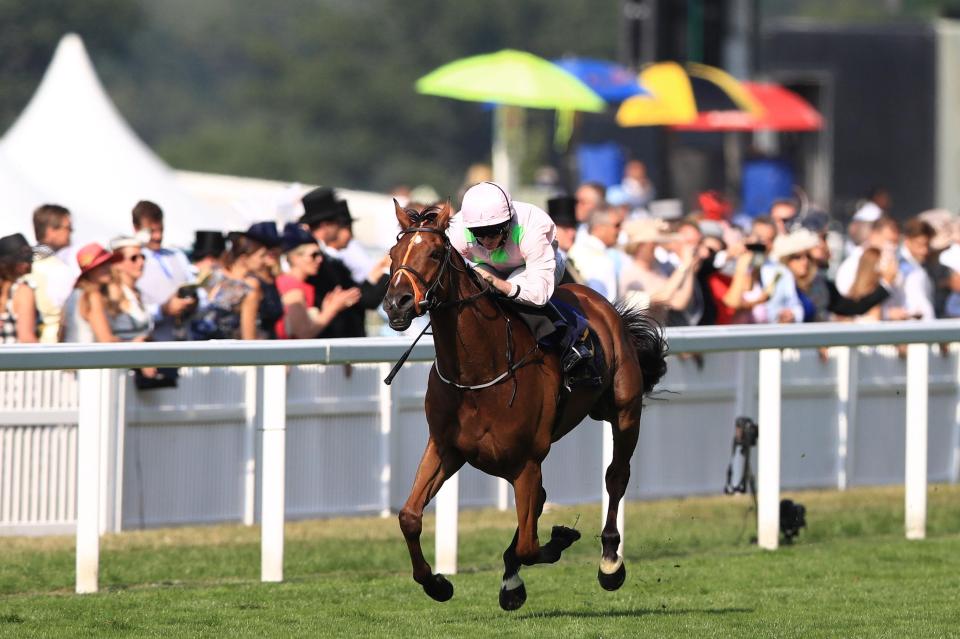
point(784, 214)
point(85, 315)
point(884, 235)
point(51, 278)
point(636, 185)
point(763, 230)
point(589, 251)
point(950, 259)
point(744, 300)
point(591, 197)
point(872, 208)
point(18, 310)
point(915, 293)
point(129, 319)
point(779, 279)
point(321, 214)
point(872, 287)
point(562, 210)
point(234, 299)
point(643, 275)
point(871, 268)
point(165, 284)
point(301, 318)
point(271, 308)
point(943, 223)
point(207, 256)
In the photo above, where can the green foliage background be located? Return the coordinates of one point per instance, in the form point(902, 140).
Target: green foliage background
point(321, 91)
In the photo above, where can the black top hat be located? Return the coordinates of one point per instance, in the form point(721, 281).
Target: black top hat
point(562, 210)
point(295, 235)
point(343, 217)
point(208, 244)
point(319, 205)
point(15, 248)
point(266, 233)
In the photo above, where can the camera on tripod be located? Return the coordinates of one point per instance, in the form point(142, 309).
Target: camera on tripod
point(740, 478)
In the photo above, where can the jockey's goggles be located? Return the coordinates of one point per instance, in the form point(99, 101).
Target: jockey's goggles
point(490, 231)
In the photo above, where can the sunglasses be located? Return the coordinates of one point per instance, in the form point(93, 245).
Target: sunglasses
point(800, 256)
point(316, 255)
point(138, 257)
point(489, 231)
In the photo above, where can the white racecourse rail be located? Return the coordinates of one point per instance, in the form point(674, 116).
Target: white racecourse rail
point(840, 412)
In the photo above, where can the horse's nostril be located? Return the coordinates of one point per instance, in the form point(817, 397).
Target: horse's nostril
point(404, 301)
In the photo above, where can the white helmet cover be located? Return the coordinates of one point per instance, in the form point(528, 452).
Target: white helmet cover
point(486, 204)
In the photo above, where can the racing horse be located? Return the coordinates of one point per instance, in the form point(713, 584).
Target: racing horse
point(495, 399)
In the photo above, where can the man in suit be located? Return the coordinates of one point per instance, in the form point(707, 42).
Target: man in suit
point(562, 211)
point(323, 216)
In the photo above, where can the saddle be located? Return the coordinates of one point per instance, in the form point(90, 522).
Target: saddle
point(563, 328)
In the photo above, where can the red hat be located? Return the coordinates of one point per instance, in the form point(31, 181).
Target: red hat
point(93, 255)
point(714, 205)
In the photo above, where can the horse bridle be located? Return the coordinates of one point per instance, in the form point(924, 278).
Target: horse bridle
point(423, 295)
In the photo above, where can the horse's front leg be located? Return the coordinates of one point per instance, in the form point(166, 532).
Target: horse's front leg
point(525, 549)
point(435, 467)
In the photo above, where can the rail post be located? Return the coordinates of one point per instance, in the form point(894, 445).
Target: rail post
point(768, 450)
point(93, 412)
point(387, 413)
point(915, 467)
point(274, 399)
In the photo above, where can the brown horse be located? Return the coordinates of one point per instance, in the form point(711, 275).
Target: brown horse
point(495, 399)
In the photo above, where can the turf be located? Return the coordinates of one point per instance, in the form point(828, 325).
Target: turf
point(691, 573)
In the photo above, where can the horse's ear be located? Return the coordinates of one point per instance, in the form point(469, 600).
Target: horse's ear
point(443, 217)
point(402, 216)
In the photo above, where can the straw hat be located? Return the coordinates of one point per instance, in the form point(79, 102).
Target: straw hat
point(645, 230)
point(799, 241)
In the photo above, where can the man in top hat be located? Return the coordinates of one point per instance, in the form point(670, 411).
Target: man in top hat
point(323, 215)
point(562, 211)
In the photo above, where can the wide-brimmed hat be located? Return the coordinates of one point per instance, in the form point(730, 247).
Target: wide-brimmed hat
point(93, 255)
point(798, 241)
point(942, 221)
point(124, 241)
point(563, 210)
point(319, 205)
point(951, 258)
point(15, 248)
point(646, 230)
point(295, 235)
point(208, 244)
point(266, 233)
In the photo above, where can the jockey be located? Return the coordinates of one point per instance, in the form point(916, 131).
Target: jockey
point(513, 246)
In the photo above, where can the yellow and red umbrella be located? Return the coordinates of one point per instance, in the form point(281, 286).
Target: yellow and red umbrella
point(783, 110)
point(678, 94)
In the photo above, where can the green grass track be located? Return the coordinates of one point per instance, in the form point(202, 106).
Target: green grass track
point(691, 572)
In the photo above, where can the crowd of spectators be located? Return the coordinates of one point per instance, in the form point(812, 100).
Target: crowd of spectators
point(311, 279)
point(790, 265)
point(308, 279)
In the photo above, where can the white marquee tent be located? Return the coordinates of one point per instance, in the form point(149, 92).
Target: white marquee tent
point(71, 146)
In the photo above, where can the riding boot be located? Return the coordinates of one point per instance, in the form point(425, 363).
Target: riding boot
point(575, 351)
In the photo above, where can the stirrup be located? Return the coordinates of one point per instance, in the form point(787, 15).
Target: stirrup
point(576, 353)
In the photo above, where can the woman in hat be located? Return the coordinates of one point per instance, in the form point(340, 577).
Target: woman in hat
point(129, 319)
point(85, 316)
point(642, 279)
point(18, 309)
point(271, 307)
point(233, 301)
point(301, 319)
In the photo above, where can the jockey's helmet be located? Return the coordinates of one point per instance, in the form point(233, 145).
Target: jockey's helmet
point(486, 204)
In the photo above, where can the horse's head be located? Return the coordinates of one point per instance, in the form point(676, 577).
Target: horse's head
point(420, 260)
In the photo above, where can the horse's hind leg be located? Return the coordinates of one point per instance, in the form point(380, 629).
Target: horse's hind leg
point(435, 467)
point(626, 431)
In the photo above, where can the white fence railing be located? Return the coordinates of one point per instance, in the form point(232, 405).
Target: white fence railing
point(100, 446)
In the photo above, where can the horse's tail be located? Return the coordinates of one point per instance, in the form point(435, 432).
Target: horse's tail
point(648, 339)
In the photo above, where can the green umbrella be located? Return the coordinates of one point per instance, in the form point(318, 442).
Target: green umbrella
point(510, 79)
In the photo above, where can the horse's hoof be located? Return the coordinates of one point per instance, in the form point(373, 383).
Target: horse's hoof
point(513, 599)
point(438, 588)
point(612, 581)
point(564, 535)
